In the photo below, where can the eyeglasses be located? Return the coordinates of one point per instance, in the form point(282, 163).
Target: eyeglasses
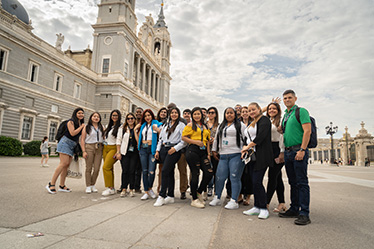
point(130, 118)
point(211, 112)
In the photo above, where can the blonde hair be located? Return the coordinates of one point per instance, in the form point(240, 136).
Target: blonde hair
point(259, 115)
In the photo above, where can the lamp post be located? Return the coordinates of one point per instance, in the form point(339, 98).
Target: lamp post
point(346, 143)
point(331, 130)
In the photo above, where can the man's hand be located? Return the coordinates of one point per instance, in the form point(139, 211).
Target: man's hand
point(300, 155)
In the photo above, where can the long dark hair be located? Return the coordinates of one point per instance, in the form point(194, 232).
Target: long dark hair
point(215, 124)
point(45, 138)
point(111, 123)
point(89, 124)
point(75, 119)
point(125, 124)
point(277, 118)
point(159, 119)
point(249, 118)
point(237, 124)
point(194, 126)
point(172, 128)
point(150, 112)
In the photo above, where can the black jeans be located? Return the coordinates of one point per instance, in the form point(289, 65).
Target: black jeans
point(275, 181)
point(128, 164)
point(138, 175)
point(197, 160)
point(167, 176)
point(258, 187)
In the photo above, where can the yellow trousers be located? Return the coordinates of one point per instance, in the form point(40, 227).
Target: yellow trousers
point(108, 171)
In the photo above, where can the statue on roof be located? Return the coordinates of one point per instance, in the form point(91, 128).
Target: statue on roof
point(59, 41)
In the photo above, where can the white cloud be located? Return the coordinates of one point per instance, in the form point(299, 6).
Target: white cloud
point(232, 51)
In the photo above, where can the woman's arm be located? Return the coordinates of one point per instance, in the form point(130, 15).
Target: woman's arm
point(73, 132)
point(83, 143)
point(263, 128)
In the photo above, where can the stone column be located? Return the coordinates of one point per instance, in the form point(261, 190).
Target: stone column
point(149, 81)
point(143, 78)
point(137, 83)
point(153, 95)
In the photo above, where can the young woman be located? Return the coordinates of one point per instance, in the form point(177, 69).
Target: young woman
point(228, 143)
point(92, 144)
point(65, 148)
point(110, 154)
point(128, 149)
point(162, 116)
point(44, 151)
point(247, 187)
point(147, 143)
point(275, 182)
point(212, 126)
point(259, 136)
point(197, 135)
point(169, 152)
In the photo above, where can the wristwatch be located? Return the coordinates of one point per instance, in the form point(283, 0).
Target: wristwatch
point(301, 149)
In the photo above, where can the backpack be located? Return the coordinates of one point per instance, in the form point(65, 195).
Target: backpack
point(313, 135)
point(62, 128)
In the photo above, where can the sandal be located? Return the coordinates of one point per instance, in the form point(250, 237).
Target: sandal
point(246, 201)
point(64, 189)
point(49, 189)
point(280, 208)
point(240, 198)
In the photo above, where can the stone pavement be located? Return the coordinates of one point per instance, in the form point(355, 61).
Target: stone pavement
point(341, 212)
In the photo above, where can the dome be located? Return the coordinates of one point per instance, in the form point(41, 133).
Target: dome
point(14, 7)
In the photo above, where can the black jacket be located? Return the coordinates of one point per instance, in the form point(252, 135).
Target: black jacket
point(264, 149)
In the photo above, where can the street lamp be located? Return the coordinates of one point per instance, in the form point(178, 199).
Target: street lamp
point(346, 143)
point(331, 130)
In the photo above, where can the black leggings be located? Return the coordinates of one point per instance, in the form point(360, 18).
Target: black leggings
point(128, 164)
point(247, 186)
point(197, 160)
point(275, 181)
point(167, 175)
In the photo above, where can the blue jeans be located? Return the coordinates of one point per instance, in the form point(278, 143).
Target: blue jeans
point(149, 166)
point(230, 165)
point(297, 173)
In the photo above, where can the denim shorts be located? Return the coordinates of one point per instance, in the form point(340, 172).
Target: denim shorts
point(66, 146)
point(44, 153)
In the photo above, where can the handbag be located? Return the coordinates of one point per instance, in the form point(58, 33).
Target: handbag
point(75, 168)
point(251, 151)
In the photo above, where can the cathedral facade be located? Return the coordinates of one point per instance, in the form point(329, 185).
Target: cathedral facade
point(41, 85)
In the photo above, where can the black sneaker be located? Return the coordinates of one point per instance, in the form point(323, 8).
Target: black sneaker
point(302, 220)
point(210, 192)
point(289, 214)
point(183, 195)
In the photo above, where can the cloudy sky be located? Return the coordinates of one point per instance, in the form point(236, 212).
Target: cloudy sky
point(238, 51)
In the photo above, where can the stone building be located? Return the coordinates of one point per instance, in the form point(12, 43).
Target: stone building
point(41, 85)
point(358, 149)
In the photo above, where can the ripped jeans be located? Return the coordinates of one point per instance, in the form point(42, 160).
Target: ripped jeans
point(230, 165)
point(197, 160)
point(149, 166)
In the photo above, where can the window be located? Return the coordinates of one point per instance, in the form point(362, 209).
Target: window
point(33, 71)
point(54, 108)
point(106, 62)
point(29, 102)
point(126, 69)
point(57, 85)
point(52, 131)
point(26, 128)
point(77, 90)
point(3, 58)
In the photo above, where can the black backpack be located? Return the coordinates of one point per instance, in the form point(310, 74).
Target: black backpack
point(62, 128)
point(313, 135)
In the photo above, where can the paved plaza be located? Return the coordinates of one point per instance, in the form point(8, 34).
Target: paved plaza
point(341, 212)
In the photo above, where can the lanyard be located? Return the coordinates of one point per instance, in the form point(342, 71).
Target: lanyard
point(225, 130)
point(97, 133)
point(286, 117)
point(202, 131)
point(146, 132)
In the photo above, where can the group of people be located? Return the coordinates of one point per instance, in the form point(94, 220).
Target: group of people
point(238, 151)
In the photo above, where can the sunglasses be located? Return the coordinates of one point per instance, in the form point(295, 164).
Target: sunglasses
point(211, 113)
point(130, 118)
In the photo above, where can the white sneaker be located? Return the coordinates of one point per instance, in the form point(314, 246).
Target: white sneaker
point(196, 203)
point(45, 165)
point(108, 192)
point(144, 197)
point(169, 200)
point(201, 199)
point(88, 190)
point(123, 193)
point(252, 211)
point(132, 193)
point(205, 196)
point(215, 201)
point(152, 194)
point(159, 202)
point(232, 204)
point(93, 189)
point(264, 213)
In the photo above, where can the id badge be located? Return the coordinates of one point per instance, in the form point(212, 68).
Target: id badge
point(145, 145)
point(202, 147)
point(225, 142)
point(131, 148)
